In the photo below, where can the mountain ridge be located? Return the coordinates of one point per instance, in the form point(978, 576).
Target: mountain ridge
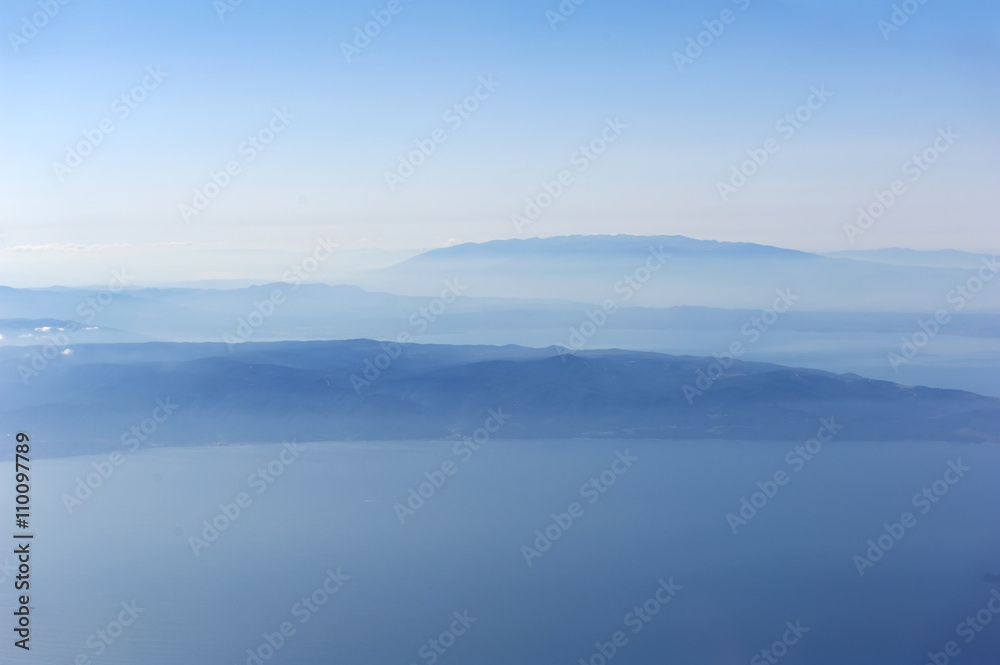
point(367, 390)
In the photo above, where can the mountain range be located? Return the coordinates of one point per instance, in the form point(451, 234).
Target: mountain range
point(367, 390)
point(696, 272)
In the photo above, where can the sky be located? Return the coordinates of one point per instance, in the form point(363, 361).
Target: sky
point(115, 116)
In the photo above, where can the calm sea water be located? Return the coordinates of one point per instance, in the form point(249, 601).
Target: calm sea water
point(400, 585)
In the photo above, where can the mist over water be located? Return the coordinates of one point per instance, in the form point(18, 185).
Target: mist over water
point(331, 510)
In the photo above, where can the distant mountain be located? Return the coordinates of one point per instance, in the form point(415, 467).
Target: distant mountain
point(598, 247)
point(841, 341)
point(297, 312)
point(320, 311)
point(355, 390)
point(666, 271)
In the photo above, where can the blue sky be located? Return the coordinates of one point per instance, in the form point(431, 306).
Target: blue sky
point(325, 171)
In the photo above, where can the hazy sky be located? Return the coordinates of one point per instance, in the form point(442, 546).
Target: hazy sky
point(556, 85)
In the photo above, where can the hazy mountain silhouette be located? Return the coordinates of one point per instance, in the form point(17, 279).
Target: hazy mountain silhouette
point(320, 311)
point(312, 391)
point(698, 272)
